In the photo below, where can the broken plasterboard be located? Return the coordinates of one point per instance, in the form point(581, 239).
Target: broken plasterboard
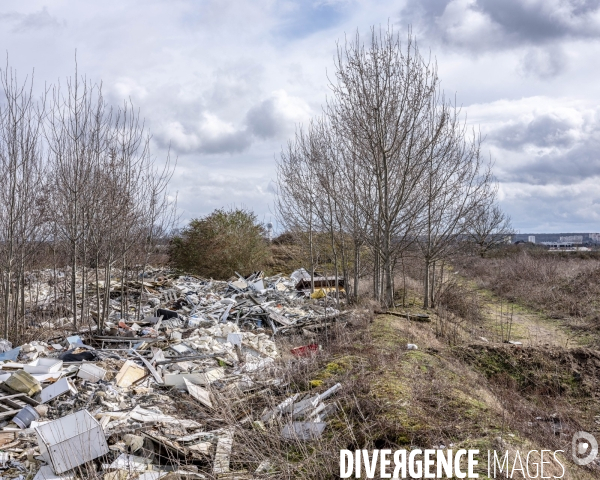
point(131, 463)
point(303, 430)
point(43, 365)
point(224, 446)
point(90, 372)
point(205, 378)
point(203, 447)
point(199, 393)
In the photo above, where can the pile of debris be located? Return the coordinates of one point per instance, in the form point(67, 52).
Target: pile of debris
point(278, 302)
point(104, 401)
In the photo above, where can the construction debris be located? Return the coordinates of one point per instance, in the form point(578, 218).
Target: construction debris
point(105, 398)
point(71, 441)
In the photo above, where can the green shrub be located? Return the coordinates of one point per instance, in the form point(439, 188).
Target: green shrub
point(220, 244)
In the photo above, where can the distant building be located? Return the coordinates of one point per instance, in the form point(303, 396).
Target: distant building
point(531, 238)
point(575, 239)
point(562, 246)
point(568, 247)
point(270, 231)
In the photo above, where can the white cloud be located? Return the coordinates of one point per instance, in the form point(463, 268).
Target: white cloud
point(129, 88)
point(225, 83)
point(464, 25)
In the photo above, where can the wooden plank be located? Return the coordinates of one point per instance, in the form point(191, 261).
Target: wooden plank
point(13, 394)
point(129, 373)
point(149, 366)
point(9, 413)
point(7, 437)
point(188, 357)
point(128, 339)
point(10, 400)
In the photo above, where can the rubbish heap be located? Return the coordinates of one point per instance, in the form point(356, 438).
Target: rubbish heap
point(137, 397)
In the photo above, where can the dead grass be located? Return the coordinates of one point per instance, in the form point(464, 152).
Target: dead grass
point(566, 288)
point(395, 398)
point(448, 392)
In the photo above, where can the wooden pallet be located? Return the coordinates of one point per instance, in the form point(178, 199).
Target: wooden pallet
point(10, 405)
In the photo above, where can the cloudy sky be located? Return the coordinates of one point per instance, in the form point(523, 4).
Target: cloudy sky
point(225, 82)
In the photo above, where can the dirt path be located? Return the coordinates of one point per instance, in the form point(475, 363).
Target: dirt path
point(513, 322)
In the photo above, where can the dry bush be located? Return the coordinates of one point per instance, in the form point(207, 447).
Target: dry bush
point(284, 258)
point(561, 286)
point(457, 306)
point(461, 301)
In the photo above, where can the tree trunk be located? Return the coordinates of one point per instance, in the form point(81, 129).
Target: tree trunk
point(74, 283)
point(99, 315)
point(432, 287)
point(356, 270)
point(426, 286)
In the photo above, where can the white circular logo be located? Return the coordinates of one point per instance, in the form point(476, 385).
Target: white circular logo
point(584, 444)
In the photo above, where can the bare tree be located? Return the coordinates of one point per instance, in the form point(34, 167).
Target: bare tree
point(78, 132)
point(381, 107)
point(110, 198)
point(390, 164)
point(79, 184)
point(158, 210)
point(21, 192)
point(297, 192)
point(489, 227)
point(454, 184)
